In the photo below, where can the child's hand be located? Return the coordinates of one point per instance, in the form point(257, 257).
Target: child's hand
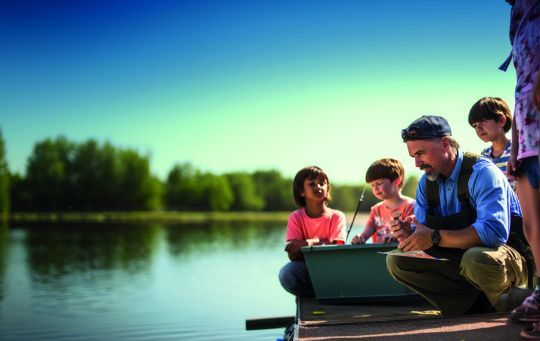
point(512, 167)
point(295, 245)
point(358, 239)
point(293, 249)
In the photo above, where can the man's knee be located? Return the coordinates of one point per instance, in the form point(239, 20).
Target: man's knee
point(394, 265)
point(493, 267)
point(479, 256)
point(487, 257)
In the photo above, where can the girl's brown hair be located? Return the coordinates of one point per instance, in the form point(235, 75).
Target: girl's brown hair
point(311, 172)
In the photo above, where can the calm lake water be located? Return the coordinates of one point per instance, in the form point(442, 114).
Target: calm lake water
point(141, 282)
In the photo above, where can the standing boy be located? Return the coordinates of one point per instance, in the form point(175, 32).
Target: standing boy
point(491, 119)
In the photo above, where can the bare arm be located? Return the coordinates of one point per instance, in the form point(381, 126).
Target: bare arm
point(420, 239)
point(293, 249)
point(362, 237)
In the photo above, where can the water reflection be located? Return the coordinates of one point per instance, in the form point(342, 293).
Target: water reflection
point(3, 255)
point(200, 238)
point(126, 282)
point(56, 251)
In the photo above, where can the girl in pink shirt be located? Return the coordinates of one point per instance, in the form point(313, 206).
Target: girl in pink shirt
point(314, 223)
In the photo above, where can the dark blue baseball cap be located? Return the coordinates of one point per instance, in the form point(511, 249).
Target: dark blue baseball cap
point(425, 128)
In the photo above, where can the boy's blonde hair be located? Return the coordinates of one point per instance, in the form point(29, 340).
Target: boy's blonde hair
point(311, 172)
point(388, 168)
point(491, 108)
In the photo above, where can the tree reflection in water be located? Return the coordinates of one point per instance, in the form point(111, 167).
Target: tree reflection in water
point(3, 255)
point(55, 251)
point(200, 238)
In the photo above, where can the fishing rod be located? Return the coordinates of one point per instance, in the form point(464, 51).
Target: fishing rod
point(355, 212)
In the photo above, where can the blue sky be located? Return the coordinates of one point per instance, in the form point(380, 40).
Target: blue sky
point(248, 85)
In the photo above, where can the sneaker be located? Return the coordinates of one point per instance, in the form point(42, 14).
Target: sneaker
point(532, 332)
point(529, 310)
point(513, 298)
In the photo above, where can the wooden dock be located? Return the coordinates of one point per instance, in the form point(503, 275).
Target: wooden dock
point(411, 320)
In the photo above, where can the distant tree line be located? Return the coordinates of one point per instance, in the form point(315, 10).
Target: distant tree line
point(62, 175)
point(4, 179)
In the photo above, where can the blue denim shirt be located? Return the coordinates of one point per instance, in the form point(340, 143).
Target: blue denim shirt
point(490, 194)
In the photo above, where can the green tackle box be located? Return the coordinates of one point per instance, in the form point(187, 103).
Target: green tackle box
point(353, 273)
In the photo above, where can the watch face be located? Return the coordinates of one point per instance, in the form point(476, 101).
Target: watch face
point(435, 237)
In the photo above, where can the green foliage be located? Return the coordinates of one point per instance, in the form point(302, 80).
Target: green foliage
point(48, 175)
point(4, 179)
point(345, 198)
point(188, 189)
point(276, 191)
point(135, 178)
point(218, 191)
point(243, 188)
point(65, 176)
point(409, 189)
point(182, 190)
point(19, 193)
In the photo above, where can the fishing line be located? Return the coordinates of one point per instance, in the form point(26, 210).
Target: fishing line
point(355, 212)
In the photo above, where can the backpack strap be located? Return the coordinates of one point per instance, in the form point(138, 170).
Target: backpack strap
point(432, 187)
point(469, 159)
point(432, 196)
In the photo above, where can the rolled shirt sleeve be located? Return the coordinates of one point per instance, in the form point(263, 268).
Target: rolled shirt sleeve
point(421, 207)
point(488, 193)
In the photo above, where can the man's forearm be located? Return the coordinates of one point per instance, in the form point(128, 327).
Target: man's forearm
point(460, 239)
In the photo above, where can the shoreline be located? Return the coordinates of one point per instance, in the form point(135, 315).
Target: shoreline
point(155, 216)
point(142, 217)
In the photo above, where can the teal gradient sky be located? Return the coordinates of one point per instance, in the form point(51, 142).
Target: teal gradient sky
point(248, 85)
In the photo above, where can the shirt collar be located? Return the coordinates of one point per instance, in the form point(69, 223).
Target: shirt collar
point(455, 172)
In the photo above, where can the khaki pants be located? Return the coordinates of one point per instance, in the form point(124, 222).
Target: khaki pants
point(453, 288)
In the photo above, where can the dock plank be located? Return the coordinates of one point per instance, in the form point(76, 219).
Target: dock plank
point(401, 321)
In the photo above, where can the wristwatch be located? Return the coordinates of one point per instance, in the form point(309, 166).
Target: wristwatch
point(436, 237)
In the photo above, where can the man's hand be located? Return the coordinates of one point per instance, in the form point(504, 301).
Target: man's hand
point(420, 239)
point(293, 248)
point(401, 229)
point(388, 238)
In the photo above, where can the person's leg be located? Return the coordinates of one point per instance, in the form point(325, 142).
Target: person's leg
point(529, 199)
point(494, 271)
point(294, 277)
point(439, 282)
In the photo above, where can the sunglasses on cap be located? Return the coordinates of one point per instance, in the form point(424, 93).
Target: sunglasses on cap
point(416, 133)
point(410, 133)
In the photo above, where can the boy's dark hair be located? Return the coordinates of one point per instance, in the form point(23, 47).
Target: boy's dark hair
point(311, 172)
point(491, 108)
point(388, 168)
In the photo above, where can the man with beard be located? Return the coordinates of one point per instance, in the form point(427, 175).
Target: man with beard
point(464, 209)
